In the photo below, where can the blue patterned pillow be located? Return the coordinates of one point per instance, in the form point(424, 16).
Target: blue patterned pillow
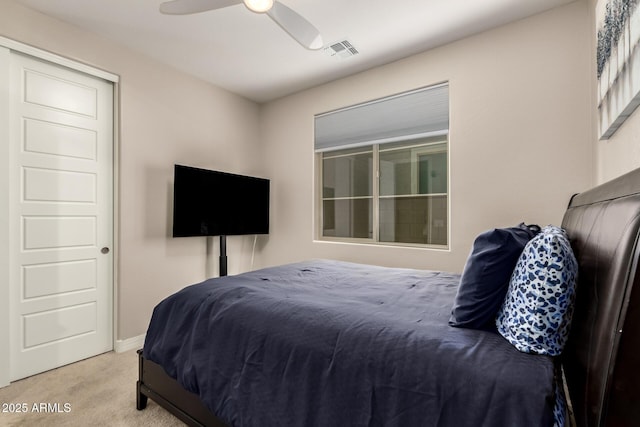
point(560, 407)
point(536, 314)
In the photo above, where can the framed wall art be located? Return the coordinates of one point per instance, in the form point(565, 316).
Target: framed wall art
point(618, 62)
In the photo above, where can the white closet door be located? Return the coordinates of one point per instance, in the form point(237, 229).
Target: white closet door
point(61, 216)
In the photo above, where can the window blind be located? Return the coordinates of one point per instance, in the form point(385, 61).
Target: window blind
point(419, 113)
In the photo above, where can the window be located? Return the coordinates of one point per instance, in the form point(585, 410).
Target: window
point(391, 190)
point(347, 193)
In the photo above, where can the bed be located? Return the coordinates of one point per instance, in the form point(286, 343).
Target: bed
point(349, 344)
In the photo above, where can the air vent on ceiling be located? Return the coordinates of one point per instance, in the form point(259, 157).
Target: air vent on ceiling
point(343, 49)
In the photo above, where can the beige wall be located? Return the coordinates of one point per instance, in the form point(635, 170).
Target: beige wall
point(620, 153)
point(166, 117)
point(520, 140)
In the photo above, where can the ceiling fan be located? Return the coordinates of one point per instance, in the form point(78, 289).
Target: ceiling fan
point(290, 21)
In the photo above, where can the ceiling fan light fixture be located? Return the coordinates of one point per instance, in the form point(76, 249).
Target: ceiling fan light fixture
point(258, 6)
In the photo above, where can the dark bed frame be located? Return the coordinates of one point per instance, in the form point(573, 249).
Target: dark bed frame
point(601, 362)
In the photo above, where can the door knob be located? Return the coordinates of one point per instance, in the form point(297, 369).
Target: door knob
point(105, 250)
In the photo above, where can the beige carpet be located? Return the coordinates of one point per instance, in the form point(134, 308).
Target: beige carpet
point(100, 391)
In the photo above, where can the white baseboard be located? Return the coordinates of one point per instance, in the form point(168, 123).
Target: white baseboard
point(133, 343)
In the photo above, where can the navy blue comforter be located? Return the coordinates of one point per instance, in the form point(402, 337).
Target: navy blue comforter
point(327, 343)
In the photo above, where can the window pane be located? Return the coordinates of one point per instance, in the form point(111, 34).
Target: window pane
point(395, 173)
point(415, 167)
point(414, 219)
point(348, 218)
point(432, 173)
point(347, 173)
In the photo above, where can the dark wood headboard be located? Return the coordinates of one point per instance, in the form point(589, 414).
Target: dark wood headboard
point(602, 358)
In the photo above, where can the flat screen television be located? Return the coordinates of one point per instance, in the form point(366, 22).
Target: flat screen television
point(212, 203)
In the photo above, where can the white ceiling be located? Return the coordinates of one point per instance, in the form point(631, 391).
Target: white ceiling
point(249, 54)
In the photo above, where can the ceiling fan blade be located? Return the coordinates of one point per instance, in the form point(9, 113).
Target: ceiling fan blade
point(186, 7)
point(299, 28)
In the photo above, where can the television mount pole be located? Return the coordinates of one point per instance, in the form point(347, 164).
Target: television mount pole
point(223, 256)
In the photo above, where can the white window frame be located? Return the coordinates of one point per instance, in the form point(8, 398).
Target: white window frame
point(419, 149)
